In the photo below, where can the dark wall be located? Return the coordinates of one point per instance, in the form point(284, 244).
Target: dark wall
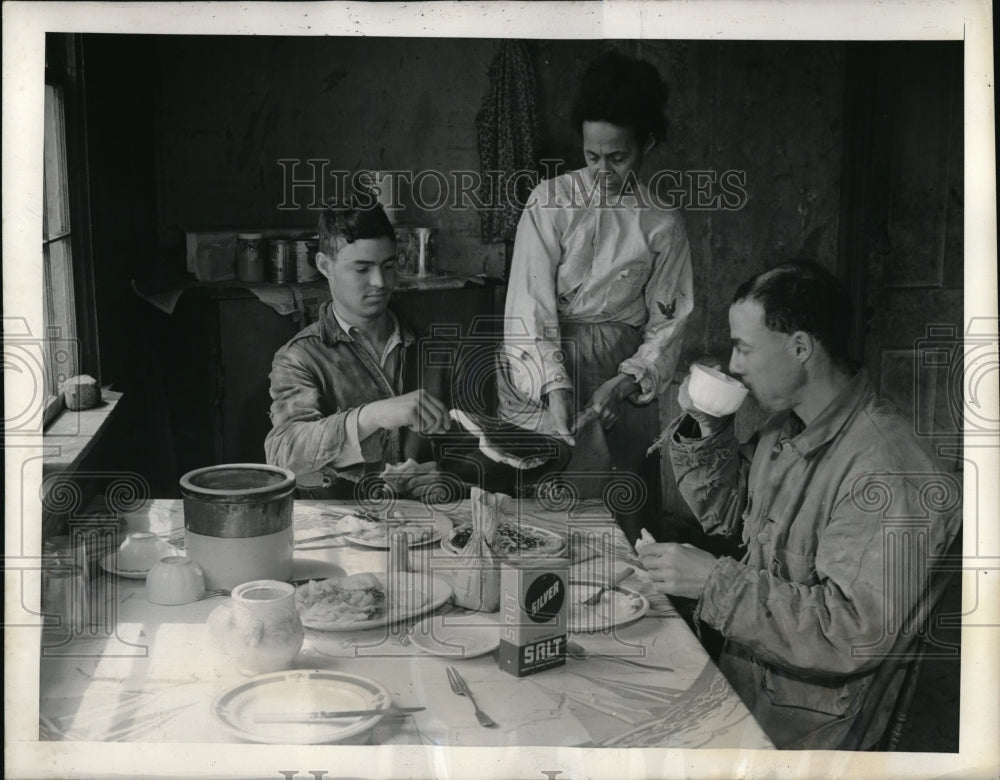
point(121, 95)
point(230, 108)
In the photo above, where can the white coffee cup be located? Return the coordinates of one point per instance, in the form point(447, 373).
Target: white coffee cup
point(715, 393)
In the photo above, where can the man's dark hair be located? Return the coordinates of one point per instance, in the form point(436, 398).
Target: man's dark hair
point(804, 296)
point(624, 92)
point(339, 226)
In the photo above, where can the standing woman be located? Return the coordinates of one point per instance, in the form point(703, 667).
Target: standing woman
point(599, 293)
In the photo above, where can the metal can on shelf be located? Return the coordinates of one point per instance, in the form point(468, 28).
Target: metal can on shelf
point(250, 257)
point(404, 253)
point(282, 270)
point(424, 247)
point(305, 260)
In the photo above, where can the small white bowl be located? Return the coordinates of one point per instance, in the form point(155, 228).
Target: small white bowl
point(140, 551)
point(715, 393)
point(174, 580)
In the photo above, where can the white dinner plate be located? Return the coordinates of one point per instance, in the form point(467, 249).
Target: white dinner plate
point(457, 636)
point(108, 564)
point(440, 593)
point(556, 541)
point(377, 535)
point(299, 692)
point(622, 605)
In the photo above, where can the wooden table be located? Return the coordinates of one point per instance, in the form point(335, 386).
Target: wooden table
point(150, 673)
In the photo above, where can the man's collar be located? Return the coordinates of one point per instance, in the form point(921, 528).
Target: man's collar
point(831, 420)
point(334, 328)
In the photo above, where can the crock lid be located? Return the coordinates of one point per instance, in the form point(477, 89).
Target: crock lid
point(237, 482)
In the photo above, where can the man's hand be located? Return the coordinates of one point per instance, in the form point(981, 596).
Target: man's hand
point(418, 410)
point(677, 569)
point(605, 401)
point(708, 424)
point(559, 413)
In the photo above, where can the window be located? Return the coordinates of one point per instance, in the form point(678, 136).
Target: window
point(70, 346)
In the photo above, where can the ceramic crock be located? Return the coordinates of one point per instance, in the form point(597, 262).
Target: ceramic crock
point(238, 522)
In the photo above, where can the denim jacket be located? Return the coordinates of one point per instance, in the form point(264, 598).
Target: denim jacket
point(839, 520)
point(320, 379)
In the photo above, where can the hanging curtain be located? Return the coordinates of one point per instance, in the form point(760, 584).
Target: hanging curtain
point(507, 128)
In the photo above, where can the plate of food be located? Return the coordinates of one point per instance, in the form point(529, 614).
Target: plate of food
point(378, 534)
point(457, 636)
point(298, 707)
point(361, 601)
point(514, 539)
point(617, 606)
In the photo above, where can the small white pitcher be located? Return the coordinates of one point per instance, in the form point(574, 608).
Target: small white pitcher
point(259, 626)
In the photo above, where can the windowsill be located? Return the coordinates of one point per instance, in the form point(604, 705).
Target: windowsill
point(76, 433)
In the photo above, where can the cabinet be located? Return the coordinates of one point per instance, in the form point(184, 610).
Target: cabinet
point(218, 351)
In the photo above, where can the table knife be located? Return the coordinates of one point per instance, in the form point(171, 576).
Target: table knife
point(318, 717)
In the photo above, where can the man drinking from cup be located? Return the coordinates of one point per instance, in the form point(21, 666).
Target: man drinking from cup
point(818, 614)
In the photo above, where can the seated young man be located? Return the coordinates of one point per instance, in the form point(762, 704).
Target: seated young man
point(819, 614)
point(348, 392)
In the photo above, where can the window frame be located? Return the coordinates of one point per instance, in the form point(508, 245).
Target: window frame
point(64, 70)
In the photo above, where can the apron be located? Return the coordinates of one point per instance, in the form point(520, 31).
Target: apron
point(608, 464)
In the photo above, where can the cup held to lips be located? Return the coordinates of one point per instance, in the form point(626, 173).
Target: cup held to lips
point(715, 393)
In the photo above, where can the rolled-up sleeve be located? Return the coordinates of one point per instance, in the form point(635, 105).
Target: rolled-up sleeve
point(670, 300)
point(712, 477)
point(303, 438)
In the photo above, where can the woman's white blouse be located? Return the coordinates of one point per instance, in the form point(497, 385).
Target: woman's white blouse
point(582, 256)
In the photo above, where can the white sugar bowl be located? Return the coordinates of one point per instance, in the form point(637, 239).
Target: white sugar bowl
point(174, 580)
point(140, 552)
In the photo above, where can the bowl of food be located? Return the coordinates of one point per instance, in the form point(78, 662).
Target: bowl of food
point(714, 392)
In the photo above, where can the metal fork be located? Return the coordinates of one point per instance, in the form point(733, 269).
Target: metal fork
point(210, 593)
point(622, 576)
point(459, 686)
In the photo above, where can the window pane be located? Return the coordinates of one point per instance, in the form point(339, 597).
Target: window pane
point(62, 352)
point(56, 189)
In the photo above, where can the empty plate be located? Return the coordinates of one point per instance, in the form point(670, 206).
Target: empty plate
point(457, 636)
point(300, 693)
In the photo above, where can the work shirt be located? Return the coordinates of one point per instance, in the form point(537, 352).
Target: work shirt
point(839, 532)
point(352, 453)
point(629, 263)
point(320, 380)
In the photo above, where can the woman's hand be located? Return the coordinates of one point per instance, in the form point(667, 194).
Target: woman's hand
point(607, 399)
point(558, 402)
